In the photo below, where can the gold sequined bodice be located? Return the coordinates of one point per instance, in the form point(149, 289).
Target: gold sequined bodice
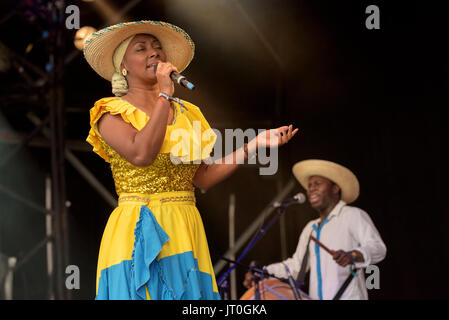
point(161, 176)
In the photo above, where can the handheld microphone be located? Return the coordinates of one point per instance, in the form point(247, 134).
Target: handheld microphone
point(298, 198)
point(178, 78)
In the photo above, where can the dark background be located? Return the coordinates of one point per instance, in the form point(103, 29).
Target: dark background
point(372, 100)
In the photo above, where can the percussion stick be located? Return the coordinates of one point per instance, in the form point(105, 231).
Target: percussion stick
point(331, 252)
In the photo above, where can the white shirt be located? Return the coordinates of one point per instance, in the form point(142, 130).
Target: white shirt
point(346, 228)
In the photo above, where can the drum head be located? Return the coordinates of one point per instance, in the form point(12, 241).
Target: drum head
point(270, 290)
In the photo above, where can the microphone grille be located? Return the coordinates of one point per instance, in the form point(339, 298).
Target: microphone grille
point(301, 197)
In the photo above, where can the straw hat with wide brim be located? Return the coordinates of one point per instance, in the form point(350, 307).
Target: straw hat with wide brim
point(342, 176)
point(100, 46)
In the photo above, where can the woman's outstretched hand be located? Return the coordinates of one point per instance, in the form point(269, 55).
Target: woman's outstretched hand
point(273, 138)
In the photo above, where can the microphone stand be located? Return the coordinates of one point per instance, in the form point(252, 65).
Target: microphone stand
point(224, 290)
point(260, 233)
point(256, 289)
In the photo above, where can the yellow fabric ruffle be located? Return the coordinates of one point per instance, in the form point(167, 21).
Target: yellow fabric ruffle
point(190, 138)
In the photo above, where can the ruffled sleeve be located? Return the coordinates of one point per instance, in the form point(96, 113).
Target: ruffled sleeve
point(113, 105)
point(191, 138)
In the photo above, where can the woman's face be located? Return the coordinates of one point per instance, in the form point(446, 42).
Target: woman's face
point(142, 53)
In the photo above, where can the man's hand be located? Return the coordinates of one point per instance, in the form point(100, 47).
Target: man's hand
point(248, 282)
point(346, 258)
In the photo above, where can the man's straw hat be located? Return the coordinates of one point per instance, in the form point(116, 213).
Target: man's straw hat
point(342, 176)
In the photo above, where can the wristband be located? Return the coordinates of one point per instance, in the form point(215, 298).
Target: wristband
point(353, 271)
point(164, 95)
point(177, 100)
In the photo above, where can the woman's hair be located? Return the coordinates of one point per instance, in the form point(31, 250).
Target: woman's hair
point(118, 81)
point(119, 84)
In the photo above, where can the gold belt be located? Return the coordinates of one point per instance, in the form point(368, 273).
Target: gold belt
point(180, 198)
point(161, 199)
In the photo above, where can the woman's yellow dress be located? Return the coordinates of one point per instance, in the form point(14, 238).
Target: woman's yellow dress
point(154, 245)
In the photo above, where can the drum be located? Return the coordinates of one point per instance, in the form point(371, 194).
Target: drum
point(273, 289)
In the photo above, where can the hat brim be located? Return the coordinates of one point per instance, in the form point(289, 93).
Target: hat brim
point(100, 46)
point(342, 176)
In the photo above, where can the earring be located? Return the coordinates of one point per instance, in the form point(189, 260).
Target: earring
point(124, 72)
